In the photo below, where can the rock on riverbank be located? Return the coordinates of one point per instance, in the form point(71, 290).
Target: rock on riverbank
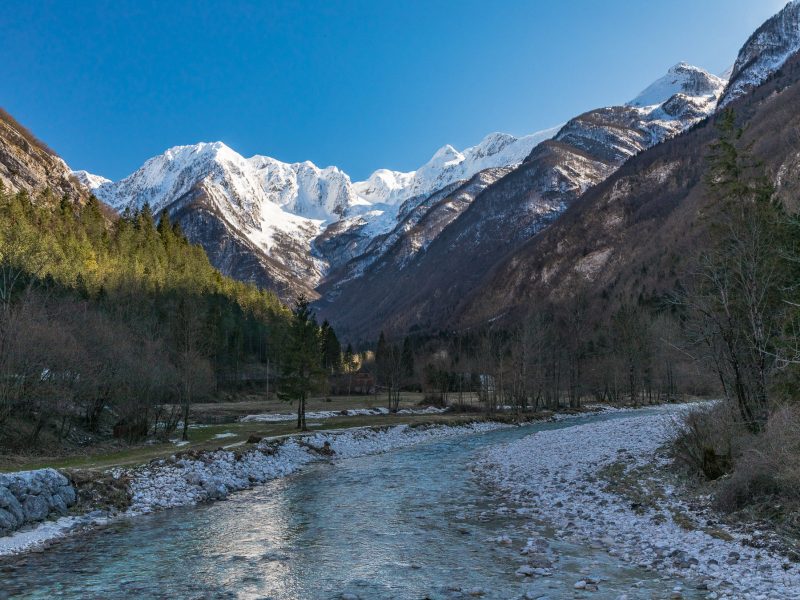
point(191, 479)
point(33, 496)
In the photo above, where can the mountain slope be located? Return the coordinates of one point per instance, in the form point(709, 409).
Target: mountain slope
point(628, 239)
point(405, 289)
point(770, 46)
point(27, 164)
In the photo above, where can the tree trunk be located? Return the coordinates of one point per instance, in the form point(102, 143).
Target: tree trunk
point(185, 434)
point(301, 414)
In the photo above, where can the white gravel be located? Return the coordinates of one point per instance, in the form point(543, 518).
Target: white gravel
point(30, 537)
point(553, 473)
point(214, 475)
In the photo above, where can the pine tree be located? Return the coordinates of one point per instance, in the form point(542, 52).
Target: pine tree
point(349, 365)
point(301, 373)
point(331, 349)
point(736, 301)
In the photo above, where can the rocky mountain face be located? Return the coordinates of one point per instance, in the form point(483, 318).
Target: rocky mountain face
point(629, 238)
point(27, 164)
point(429, 263)
point(284, 226)
point(254, 217)
point(765, 52)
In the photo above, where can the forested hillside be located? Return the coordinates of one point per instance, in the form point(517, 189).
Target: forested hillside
point(115, 323)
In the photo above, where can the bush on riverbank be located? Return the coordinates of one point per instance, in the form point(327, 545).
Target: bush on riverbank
point(768, 467)
point(755, 472)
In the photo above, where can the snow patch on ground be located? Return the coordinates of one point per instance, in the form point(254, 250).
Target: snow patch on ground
point(555, 474)
point(327, 414)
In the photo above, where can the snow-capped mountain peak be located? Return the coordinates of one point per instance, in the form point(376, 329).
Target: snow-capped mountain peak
point(765, 52)
point(300, 221)
point(89, 180)
point(280, 208)
point(682, 78)
point(449, 165)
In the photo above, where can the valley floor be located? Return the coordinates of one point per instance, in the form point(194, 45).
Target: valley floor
point(604, 485)
point(607, 485)
point(226, 425)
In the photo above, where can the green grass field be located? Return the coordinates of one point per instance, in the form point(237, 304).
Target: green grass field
point(217, 425)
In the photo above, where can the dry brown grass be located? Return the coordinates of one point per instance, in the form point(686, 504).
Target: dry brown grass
point(757, 473)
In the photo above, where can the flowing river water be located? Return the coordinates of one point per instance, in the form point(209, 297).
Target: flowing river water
point(409, 524)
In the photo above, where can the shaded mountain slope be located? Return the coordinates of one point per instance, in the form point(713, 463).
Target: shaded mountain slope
point(425, 288)
point(629, 238)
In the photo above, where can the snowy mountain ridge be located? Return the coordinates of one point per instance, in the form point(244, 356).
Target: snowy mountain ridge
point(297, 222)
point(682, 78)
point(766, 51)
point(302, 189)
point(448, 165)
point(279, 208)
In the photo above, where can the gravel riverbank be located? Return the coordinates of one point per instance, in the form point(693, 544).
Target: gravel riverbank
point(192, 478)
point(575, 479)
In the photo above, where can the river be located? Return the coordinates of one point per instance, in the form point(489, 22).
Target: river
point(409, 524)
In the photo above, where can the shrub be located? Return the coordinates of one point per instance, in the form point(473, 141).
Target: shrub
point(708, 441)
point(769, 467)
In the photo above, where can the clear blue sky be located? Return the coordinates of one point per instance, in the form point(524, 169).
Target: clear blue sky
point(360, 85)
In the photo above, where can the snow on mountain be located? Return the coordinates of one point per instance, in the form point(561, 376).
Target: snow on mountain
point(444, 245)
point(448, 165)
point(89, 180)
point(765, 52)
point(249, 185)
point(681, 79)
point(270, 221)
point(280, 208)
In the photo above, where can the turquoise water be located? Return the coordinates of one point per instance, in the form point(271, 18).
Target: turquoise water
point(409, 524)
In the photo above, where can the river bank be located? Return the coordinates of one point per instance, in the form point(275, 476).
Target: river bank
point(607, 484)
point(208, 471)
point(413, 522)
point(192, 477)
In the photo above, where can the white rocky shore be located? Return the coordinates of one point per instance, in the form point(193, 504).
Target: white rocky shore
point(185, 481)
point(213, 475)
point(557, 475)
